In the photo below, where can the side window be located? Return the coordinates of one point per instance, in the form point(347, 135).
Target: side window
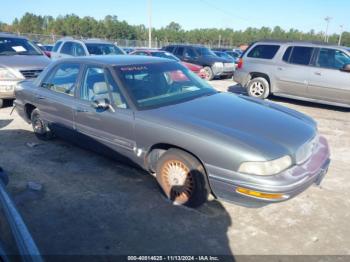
point(301, 55)
point(78, 50)
point(179, 51)
point(189, 52)
point(170, 49)
point(286, 55)
point(94, 85)
point(67, 48)
point(56, 46)
point(332, 58)
point(117, 96)
point(264, 51)
point(63, 79)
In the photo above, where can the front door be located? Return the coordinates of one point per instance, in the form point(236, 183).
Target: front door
point(113, 127)
point(327, 81)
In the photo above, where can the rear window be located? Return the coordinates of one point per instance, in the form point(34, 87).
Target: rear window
point(264, 51)
point(301, 55)
point(56, 46)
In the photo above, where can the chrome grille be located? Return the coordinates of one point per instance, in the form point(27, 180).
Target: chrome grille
point(30, 73)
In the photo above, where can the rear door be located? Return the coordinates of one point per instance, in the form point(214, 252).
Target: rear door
point(190, 55)
point(55, 97)
point(113, 127)
point(293, 73)
point(327, 81)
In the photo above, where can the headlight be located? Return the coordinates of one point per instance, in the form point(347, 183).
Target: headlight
point(266, 168)
point(5, 74)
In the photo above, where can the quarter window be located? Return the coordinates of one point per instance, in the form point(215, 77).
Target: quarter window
point(332, 58)
point(286, 55)
point(264, 51)
point(301, 55)
point(63, 79)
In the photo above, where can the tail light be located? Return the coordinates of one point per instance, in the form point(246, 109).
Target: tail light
point(240, 63)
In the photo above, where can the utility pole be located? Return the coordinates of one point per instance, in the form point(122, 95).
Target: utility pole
point(150, 23)
point(219, 41)
point(341, 34)
point(327, 19)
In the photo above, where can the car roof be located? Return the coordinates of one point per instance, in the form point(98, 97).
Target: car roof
point(86, 41)
point(150, 50)
point(4, 34)
point(308, 43)
point(188, 45)
point(116, 60)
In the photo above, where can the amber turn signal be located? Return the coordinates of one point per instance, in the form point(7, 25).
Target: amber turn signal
point(258, 194)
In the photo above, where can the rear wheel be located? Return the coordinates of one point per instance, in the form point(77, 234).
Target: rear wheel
point(208, 72)
point(259, 88)
point(40, 127)
point(182, 178)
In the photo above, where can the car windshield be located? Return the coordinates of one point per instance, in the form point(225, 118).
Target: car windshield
point(165, 55)
point(203, 51)
point(233, 54)
point(224, 55)
point(103, 49)
point(161, 84)
point(48, 47)
point(17, 46)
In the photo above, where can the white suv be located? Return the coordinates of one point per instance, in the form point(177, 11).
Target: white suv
point(69, 47)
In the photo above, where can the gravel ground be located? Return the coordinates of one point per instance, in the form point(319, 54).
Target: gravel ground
point(91, 205)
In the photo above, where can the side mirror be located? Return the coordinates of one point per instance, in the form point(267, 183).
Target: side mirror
point(346, 68)
point(102, 105)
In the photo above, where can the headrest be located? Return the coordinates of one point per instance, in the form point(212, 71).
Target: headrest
point(100, 88)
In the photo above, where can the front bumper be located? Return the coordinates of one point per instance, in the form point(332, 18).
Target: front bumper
point(290, 183)
point(7, 88)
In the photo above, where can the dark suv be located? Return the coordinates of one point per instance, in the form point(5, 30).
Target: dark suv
point(214, 66)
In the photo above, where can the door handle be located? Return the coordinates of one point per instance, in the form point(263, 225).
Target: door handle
point(39, 97)
point(318, 73)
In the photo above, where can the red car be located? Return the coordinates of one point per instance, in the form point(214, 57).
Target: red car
point(158, 53)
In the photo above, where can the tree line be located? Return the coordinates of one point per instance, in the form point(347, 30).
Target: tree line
point(112, 28)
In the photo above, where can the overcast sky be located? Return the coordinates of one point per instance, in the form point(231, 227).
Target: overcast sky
point(300, 14)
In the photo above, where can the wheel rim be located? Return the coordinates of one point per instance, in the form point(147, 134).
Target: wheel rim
point(207, 73)
point(178, 181)
point(257, 89)
point(38, 126)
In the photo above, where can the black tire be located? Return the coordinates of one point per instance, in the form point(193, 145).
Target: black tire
point(209, 75)
point(2, 102)
point(190, 187)
point(259, 88)
point(40, 127)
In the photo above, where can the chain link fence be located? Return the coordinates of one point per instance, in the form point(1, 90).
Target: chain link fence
point(51, 39)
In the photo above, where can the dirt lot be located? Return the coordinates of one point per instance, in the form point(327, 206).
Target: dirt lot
point(93, 205)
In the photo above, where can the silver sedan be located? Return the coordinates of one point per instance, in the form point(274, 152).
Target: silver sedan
point(194, 140)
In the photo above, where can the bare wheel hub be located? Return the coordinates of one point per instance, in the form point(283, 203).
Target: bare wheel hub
point(178, 181)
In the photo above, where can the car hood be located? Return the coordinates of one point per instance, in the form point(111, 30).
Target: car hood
point(264, 128)
point(213, 59)
point(24, 62)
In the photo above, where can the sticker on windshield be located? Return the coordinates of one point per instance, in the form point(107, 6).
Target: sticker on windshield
point(19, 48)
